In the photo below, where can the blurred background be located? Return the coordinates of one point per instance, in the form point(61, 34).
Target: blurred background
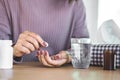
point(101, 12)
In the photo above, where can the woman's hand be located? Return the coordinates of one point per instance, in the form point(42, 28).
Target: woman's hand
point(53, 61)
point(26, 43)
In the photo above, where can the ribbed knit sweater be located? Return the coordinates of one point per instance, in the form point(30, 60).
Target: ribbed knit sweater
point(56, 21)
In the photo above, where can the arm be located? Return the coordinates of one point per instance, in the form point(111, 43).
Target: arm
point(27, 41)
point(5, 28)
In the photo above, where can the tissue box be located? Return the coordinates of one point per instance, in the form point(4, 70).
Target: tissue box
point(97, 53)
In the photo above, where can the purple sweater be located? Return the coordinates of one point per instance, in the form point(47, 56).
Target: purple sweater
point(56, 21)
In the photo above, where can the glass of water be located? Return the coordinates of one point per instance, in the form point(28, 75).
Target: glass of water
point(80, 52)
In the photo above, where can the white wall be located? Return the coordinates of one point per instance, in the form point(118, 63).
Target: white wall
point(92, 17)
point(108, 11)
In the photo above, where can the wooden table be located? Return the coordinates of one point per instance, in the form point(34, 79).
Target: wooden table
point(34, 71)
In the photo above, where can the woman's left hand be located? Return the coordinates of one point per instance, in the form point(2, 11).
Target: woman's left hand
point(53, 61)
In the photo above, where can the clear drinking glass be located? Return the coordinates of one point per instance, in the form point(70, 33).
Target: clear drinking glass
point(80, 52)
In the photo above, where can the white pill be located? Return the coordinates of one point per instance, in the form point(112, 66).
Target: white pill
point(46, 44)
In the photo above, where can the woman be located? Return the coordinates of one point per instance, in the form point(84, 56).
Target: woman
point(32, 24)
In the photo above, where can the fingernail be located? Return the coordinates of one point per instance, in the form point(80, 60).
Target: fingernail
point(57, 57)
point(52, 58)
point(37, 52)
point(45, 54)
point(36, 56)
point(38, 49)
point(42, 52)
point(45, 44)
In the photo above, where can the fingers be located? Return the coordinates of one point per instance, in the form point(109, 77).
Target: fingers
point(57, 62)
point(28, 42)
point(20, 50)
point(46, 60)
point(33, 42)
point(41, 58)
point(28, 46)
point(63, 55)
point(49, 60)
point(35, 36)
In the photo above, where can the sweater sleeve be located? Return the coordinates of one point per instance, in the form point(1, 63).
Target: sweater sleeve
point(5, 30)
point(5, 27)
point(80, 28)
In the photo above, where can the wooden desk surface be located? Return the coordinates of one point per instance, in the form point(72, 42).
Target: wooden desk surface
point(33, 71)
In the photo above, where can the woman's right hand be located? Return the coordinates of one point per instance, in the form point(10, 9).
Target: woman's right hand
point(27, 42)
